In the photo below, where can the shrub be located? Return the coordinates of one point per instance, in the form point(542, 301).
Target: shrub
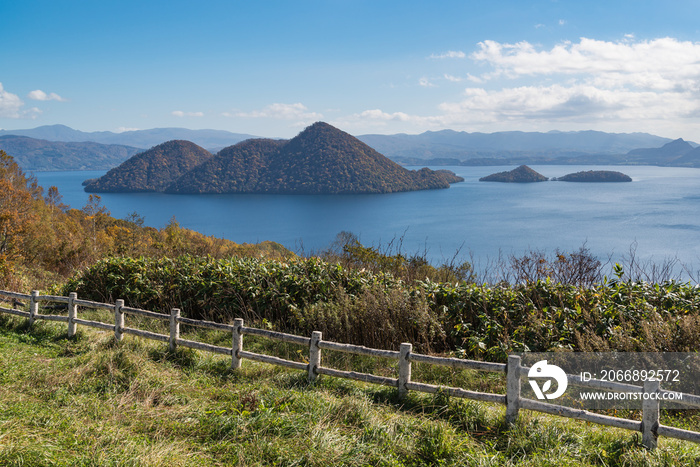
point(378, 310)
point(378, 318)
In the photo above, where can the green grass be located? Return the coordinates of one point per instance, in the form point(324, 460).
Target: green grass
point(90, 401)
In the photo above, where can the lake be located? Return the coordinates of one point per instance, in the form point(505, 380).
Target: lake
point(659, 212)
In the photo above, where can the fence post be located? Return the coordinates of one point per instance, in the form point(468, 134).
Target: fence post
point(404, 368)
point(118, 320)
point(174, 328)
point(650, 414)
point(512, 389)
point(314, 355)
point(237, 343)
point(33, 306)
point(72, 313)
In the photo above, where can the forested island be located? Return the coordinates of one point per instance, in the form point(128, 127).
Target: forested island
point(522, 174)
point(595, 176)
point(525, 174)
point(320, 160)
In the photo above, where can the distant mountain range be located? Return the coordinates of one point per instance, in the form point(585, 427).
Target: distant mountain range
point(677, 153)
point(463, 146)
point(40, 155)
point(210, 139)
point(320, 160)
point(104, 149)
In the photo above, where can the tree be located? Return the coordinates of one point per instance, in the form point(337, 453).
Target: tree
point(53, 199)
point(16, 199)
point(96, 218)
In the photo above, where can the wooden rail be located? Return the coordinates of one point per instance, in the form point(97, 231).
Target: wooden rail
point(513, 400)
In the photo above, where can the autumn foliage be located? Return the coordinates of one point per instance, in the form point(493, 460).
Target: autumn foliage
point(43, 240)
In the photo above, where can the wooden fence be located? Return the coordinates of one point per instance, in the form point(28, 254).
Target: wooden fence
point(649, 426)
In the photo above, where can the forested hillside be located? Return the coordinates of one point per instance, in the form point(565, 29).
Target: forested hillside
point(522, 174)
point(234, 169)
point(595, 176)
point(152, 170)
point(42, 241)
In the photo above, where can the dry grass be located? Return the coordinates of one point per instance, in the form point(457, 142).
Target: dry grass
point(90, 401)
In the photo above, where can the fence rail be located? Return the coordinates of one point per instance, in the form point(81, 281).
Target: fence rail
point(513, 400)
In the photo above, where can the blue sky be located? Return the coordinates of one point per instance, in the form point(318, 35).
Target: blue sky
point(270, 68)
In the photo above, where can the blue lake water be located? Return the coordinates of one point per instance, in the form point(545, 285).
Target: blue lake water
point(659, 212)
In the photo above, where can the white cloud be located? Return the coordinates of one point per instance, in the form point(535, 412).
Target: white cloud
point(10, 104)
point(39, 95)
point(658, 65)
point(459, 79)
point(584, 104)
point(373, 119)
point(450, 54)
point(180, 113)
point(280, 111)
point(122, 129)
point(32, 113)
point(620, 86)
point(534, 108)
point(636, 84)
point(377, 114)
point(425, 82)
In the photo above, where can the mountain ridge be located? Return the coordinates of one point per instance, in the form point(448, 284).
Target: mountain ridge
point(676, 153)
point(144, 139)
point(320, 160)
point(42, 155)
point(442, 147)
point(465, 145)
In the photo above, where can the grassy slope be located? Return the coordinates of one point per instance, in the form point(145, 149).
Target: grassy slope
point(89, 401)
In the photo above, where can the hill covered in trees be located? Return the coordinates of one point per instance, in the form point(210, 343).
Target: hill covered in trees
point(320, 160)
point(595, 176)
point(522, 174)
point(234, 169)
point(152, 170)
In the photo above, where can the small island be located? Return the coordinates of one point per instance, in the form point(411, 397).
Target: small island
point(595, 176)
point(522, 174)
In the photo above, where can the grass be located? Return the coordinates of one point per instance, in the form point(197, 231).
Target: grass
point(89, 401)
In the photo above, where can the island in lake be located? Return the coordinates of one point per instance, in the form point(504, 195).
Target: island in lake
point(522, 174)
point(595, 176)
point(320, 160)
point(525, 174)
